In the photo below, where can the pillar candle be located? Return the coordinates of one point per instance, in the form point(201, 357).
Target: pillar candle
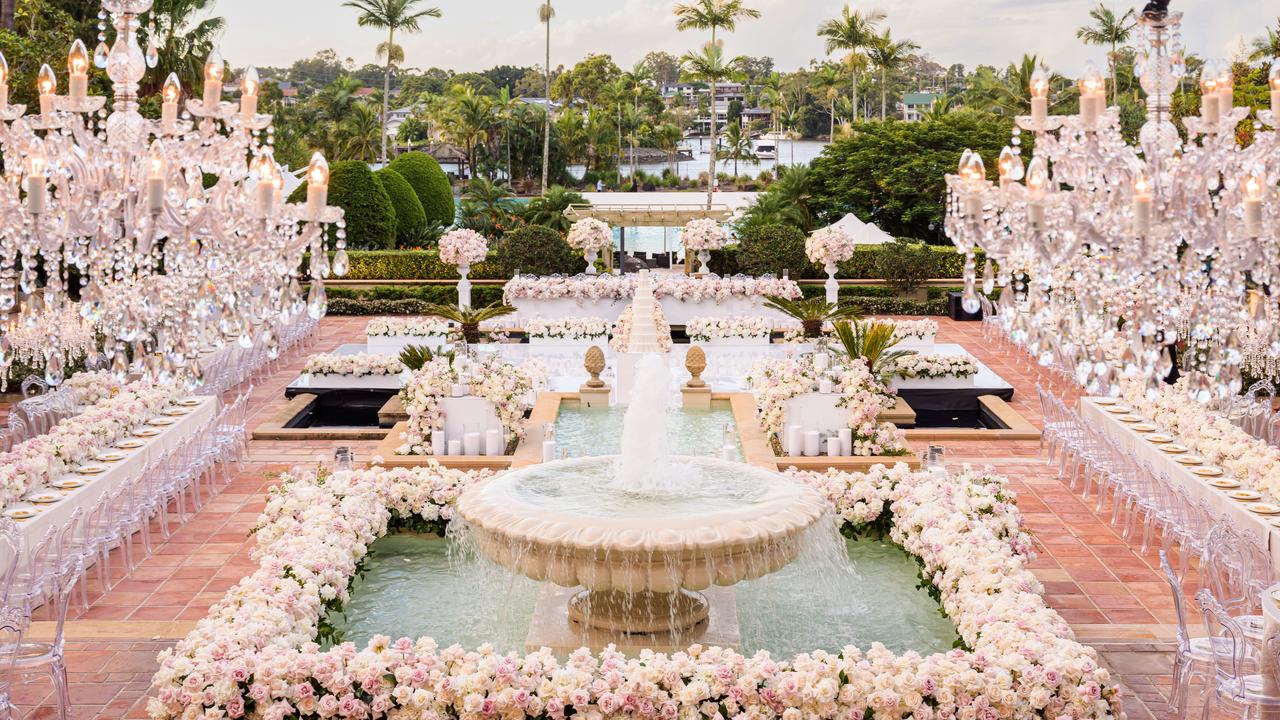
point(168, 115)
point(248, 106)
point(46, 105)
point(1252, 217)
point(266, 197)
point(824, 385)
point(1141, 214)
point(438, 444)
point(155, 194)
point(548, 450)
point(795, 440)
point(212, 94)
point(821, 361)
point(846, 441)
point(1089, 110)
point(973, 205)
point(1210, 110)
point(493, 443)
point(458, 389)
point(812, 443)
point(455, 447)
point(1226, 100)
point(833, 446)
point(1039, 111)
point(78, 84)
point(471, 443)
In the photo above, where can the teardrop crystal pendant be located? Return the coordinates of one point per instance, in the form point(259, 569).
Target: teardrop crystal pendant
point(100, 55)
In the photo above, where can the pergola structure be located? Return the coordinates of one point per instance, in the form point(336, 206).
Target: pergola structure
point(664, 215)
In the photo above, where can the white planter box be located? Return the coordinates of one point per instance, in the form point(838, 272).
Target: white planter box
point(601, 340)
point(734, 342)
point(943, 383)
point(677, 312)
point(395, 344)
point(343, 382)
point(915, 343)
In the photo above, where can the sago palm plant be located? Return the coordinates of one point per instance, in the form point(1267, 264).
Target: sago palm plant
point(812, 312)
point(470, 318)
point(873, 342)
point(415, 356)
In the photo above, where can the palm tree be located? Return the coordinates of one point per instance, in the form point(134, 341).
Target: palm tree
point(739, 145)
point(1267, 46)
point(186, 42)
point(548, 209)
point(872, 342)
point(811, 312)
point(888, 56)
point(545, 13)
point(940, 107)
point(826, 82)
point(1108, 30)
point(710, 66)
point(357, 134)
point(712, 15)
point(470, 120)
point(668, 135)
point(853, 31)
point(504, 109)
point(1008, 93)
point(469, 318)
point(390, 15)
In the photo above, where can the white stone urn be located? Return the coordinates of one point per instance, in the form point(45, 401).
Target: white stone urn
point(703, 257)
point(464, 287)
point(591, 256)
point(833, 286)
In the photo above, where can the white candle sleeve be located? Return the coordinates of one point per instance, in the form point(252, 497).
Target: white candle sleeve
point(455, 447)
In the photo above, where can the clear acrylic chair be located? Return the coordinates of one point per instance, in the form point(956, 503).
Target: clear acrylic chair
point(1237, 682)
point(30, 657)
point(1235, 568)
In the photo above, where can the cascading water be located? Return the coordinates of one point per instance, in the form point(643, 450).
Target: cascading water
point(645, 466)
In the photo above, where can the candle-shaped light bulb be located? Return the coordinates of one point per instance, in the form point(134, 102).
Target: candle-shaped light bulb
point(1037, 187)
point(1141, 205)
point(37, 191)
point(1093, 90)
point(213, 70)
point(264, 169)
point(973, 173)
point(1273, 79)
point(1039, 97)
point(78, 71)
point(156, 170)
point(1210, 108)
point(249, 85)
point(1254, 187)
point(47, 87)
point(4, 81)
point(1011, 169)
point(170, 95)
point(317, 184)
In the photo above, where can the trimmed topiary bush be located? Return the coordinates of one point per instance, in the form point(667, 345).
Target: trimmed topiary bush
point(370, 218)
point(538, 250)
point(410, 217)
point(906, 266)
point(772, 249)
point(430, 183)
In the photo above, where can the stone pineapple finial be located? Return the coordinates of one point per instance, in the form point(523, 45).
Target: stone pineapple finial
point(594, 363)
point(696, 362)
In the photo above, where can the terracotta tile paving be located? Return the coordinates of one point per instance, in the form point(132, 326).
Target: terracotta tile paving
point(1111, 594)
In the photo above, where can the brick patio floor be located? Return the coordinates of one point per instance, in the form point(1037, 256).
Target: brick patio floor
point(1112, 595)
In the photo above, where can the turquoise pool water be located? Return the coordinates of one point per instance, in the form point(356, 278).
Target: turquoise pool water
point(585, 432)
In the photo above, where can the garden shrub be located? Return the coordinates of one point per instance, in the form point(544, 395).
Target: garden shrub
point(370, 218)
point(905, 266)
point(428, 180)
point(772, 249)
point(413, 265)
point(410, 217)
point(538, 250)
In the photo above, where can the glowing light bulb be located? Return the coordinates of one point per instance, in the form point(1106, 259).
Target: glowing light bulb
point(1093, 90)
point(1210, 107)
point(249, 85)
point(47, 87)
point(78, 72)
point(170, 94)
point(1226, 90)
point(1037, 187)
point(317, 184)
point(265, 170)
point(213, 70)
point(1039, 97)
point(1011, 168)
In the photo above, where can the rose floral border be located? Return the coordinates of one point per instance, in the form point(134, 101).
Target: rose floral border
point(255, 655)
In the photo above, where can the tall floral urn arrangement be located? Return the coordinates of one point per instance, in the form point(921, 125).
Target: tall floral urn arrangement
point(463, 248)
point(701, 236)
point(590, 237)
point(829, 247)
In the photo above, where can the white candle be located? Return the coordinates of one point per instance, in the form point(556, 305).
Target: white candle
point(266, 196)
point(317, 198)
point(824, 385)
point(729, 452)
point(79, 85)
point(47, 87)
point(78, 72)
point(812, 443)
point(170, 95)
point(1210, 110)
point(46, 106)
point(439, 446)
point(973, 206)
point(168, 115)
point(1142, 215)
point(1226, 100)
point(471, 443)
point(37, 194)
point(493, 445)
point(1039, 111)
point(212, 94)
point(795, 440)
point(458, 390)
point(1089, 110)
point(455, 447)
point(821, 361)
point(833, 447)
point(155, 194)
point(249, 85)
point(1253, 217)
point(1035, 215)
point(548, 450)
point(846, 441)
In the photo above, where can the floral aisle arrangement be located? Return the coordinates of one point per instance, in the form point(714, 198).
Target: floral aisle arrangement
point(590, 237)
point(358, 365)
point(621, 339)
point(1252, 461)
point(92, 386)
point(505, 385)
point(909, 329)
point(928, 365)
point(427, 326)
point(255, 653)
point(700, 237)
point(463, 247)
point(615, 287)
point(571, 328)
point(829, 246)
point(775, 381)
point(706, 329)
point(72, 441)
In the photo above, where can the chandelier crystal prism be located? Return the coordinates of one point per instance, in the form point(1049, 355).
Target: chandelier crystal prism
point(170, 236)
point(1111, 253)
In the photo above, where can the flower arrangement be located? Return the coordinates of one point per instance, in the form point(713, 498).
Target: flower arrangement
point(255, 653)
point(613, 287)
point(705, 329)
point(92, 386)
point(505, 385)
point(590, 234)
point(829, 246)
point(406, 326)
point(509, 388)
point(421, 397)
point(935, 366)
point(904, 329)
point(570, 328)
point(776, 381)
point(703, 234)
point(622, 330)
point(463, 247)
point(358, 365)
point(44, 458)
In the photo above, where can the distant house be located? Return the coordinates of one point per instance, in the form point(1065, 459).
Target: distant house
point(914, 105)
point(539, 102)
point(364, 92)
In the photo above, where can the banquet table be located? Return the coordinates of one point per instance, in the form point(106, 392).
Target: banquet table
point(118, 473)
point(1217, 499)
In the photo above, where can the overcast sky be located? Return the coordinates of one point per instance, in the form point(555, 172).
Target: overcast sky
point(477, 34)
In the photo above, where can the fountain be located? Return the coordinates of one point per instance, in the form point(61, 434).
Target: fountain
point(643, 336)
point(643, 534)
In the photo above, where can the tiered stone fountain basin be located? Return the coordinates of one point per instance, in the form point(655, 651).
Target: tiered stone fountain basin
point(642, 559)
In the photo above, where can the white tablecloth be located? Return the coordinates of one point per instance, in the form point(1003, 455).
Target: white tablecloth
point(395, 344)
point(344, 382)
point(677, 312)
point(1198, 487)
point(120, 472)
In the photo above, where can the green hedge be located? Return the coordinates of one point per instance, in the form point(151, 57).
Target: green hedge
point(442, 294)
point(428, 180)
point(861, 267)
point(409, 214)
point(369, 216)
point(413, 265)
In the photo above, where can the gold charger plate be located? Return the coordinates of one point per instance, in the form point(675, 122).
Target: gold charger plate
point(1118, 409)
point(1104, 401)
point(1129, 418)
point(109, 456)
point(1189, 460)
point(130, 444)
point(1263, 508)
point(21, 513)
point(44, 498)
point(1145, 427)
point(147, 432)
point(1245, 495)
point(1225, 483)
point(68, 484)
point(161, 422)
point(1160, 438)
point(91, 469)
point(175, 412)
point(187, 402)
point(1174, 448)
point(1207, 471)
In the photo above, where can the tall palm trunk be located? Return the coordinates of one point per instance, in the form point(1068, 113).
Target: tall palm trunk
point(386, 91)
point(711, 169)
point(832, 136)
point(855, 94)
point(884, 91)
point(546, 114)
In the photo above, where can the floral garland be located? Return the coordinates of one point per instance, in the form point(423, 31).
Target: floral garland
point(463, 247)
point(1250, 460)
point(904, 329)
point(44, 458)
point(614, 287)
point(935, 366)
point(703, 234)
point(406, 326)
point(570, 328)
point(622, 330)
point(358, 365)
point(773, 382)
point(92, 386)
point(504, 385)
point(829, 245)
point(704, 329)
point(590, 234)
point(255, 653)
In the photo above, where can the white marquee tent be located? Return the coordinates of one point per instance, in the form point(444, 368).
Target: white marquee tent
point(862, 233)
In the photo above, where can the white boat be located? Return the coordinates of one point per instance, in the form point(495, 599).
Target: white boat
point(766, 151)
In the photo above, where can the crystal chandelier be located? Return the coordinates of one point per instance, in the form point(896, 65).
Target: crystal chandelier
point(1115, 251)
point(171, 235)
